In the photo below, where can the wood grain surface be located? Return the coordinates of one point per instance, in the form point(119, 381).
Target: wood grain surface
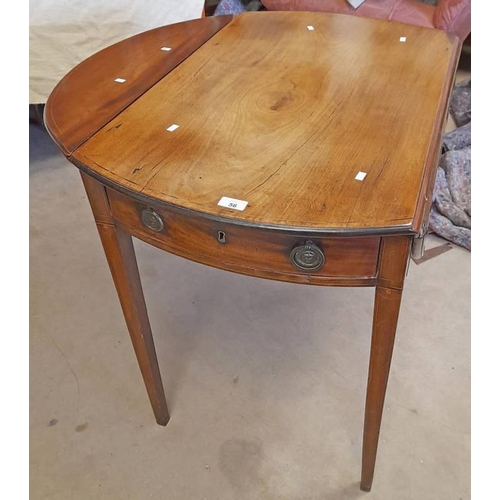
point(283, 111)
point(120, 254)
point(285, 117)
point(249, 250)
point(88, 97)
point(394, 256)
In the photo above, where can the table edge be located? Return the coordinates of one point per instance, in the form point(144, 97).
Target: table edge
point(403, 229)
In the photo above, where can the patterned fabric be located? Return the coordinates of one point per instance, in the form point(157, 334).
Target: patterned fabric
point(460, 103)
point(450, 215)
point(458, 138)
point(236, 6)
point(229, 7)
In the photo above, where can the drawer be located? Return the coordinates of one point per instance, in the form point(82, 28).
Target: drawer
point(268, 253)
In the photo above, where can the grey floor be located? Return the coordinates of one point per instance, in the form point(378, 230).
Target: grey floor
point(265, 381)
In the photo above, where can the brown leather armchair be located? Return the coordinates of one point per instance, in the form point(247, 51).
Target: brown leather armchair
point(452, 16)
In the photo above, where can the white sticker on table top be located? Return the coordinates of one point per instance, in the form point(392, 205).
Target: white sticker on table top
point(120, 80)
point(402, 39)
point(310, 28)
point(173, 127)
point(232, 203)
point(360, 176)
point(166, 49)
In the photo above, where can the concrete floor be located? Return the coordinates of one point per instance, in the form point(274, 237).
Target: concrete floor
point(265, 381)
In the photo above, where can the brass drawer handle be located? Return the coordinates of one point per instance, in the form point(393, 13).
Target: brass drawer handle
point(307, 257)
point(152, 220)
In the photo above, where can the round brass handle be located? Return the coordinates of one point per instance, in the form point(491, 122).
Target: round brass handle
point(307, 257)
point(152, 220)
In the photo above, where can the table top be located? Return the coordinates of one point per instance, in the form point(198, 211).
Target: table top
point(319, 121)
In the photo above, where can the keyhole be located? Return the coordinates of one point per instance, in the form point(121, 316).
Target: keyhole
point(221, 237)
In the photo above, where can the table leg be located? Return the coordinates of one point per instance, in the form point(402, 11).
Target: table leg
point(392, 268)
point(119, 250)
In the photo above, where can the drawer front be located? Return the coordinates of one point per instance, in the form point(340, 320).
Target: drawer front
point(268, 253)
